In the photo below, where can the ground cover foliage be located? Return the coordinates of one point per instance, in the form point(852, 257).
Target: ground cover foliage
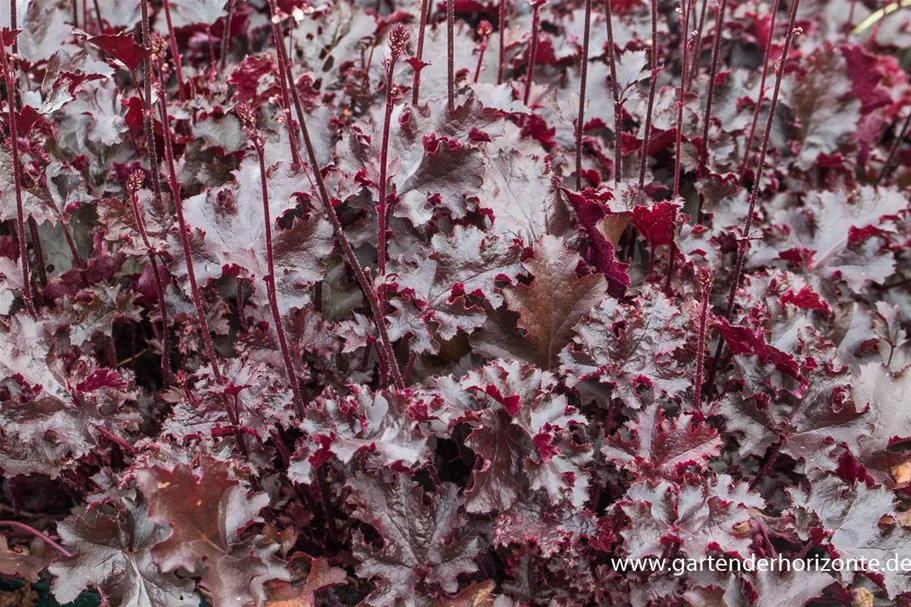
point(454, 303)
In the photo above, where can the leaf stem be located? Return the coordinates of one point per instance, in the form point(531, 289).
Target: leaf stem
point(770, 461)
point(17, 181)
point(643, 156)
point(762, 81)
point(42, 536)
point(583, 75)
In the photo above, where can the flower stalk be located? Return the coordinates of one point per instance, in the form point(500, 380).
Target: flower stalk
point(899, 140)
point(134, 183)
point(757, 182)
point(501, 63)
point(422, 27)
point(762, 81)
point(283, 87)
point(705, 287)
point(647, 129)
point(248, 121)
point(184, 235)
point(175, 52)
point(17, 179)
point(485, 29)
point(533, 50)
point(226, 35)
point(152, 154)
point(615, 92)
point(384, 351)
point(450, 54)
point(713, 70)
point(397, 41)
point(583, 75)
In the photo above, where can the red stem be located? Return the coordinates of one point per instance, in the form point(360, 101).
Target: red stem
point(477, 69)
point(125, 446)
point(384, 159)
point(770, 461)
point(175, 52)
point(894, 150)
point(226, 35)
point(643, 156)
point(39, 254)
point(583, 75)
point(705, 280)
point(184, 231)
point(754, 193)
point(685, 16)
point(151, 152)
point(77, 259)
point(502, 51)
point(13, 23)
point(212, 62)
point(386, 353)
point(270, 286)
point(713, 70)
point(409, 367)
point(615, 91)
point(849, 25)
point(532, 52)
point(416, 85)
point(98, 17)
point(697, 45)
point(680, 95)
point(17, 180)
point(159, 288)
point(450, 54)
point(286, 101)
point(43, 537)
point(762, 81)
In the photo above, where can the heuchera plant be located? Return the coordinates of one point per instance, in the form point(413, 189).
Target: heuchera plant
point(454, 303)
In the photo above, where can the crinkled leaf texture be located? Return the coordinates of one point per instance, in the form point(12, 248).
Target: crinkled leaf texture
point(425, 538)
point(584, 371)
point(113, 554)
point(207, 510)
